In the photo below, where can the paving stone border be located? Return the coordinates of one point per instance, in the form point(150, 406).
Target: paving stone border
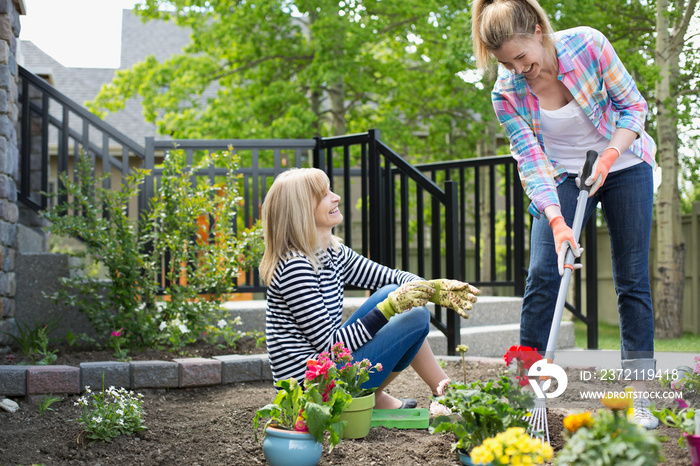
point(31, 381)
point(178, 373)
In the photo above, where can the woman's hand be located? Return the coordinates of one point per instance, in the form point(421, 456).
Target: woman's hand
point(407, 296)
point(455, 295)
point(563, 241)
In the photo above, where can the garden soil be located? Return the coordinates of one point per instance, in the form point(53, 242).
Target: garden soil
point(213, 425)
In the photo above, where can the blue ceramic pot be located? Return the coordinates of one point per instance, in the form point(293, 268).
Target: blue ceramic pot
point(288, 447)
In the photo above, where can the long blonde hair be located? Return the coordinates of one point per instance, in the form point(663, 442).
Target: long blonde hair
point(495, 22)
point(288, 220)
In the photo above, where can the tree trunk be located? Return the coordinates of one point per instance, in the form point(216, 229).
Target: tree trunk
point(669, 275)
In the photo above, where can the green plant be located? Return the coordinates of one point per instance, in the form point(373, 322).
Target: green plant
point(512, 447)
point(45, 404)
point(315, 409)
point(187, 226)
point(680, 417)
point(35, 341)
point(119, 353)
point(608, 439)
point(48, 356)
point(481, 410)
point(353, 374)
point(110, 413)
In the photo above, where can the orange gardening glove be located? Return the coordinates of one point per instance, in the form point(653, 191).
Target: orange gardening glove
point(600, 169)
point(563, 241)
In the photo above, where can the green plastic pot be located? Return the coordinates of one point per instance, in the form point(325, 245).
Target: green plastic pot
point(359, 417)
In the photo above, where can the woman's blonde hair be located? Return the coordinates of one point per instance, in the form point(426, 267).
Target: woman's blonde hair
point(288, 220)
point(495, 22)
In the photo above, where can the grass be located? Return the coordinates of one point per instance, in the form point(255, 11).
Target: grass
point(609, 339)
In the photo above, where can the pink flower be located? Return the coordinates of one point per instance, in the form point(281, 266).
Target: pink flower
point(681, 403)
point(117, 333)
point(379, 367)
point(327, 390)
point(678, 384)
point(697, 358)
point(697, 368)
point(442, 386)
point(300, 425)
point(317, 368)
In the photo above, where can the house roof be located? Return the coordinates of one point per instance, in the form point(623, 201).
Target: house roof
point(138, 40)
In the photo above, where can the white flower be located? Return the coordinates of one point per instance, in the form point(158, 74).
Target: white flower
point(121, 422)
point(438, 409)
point(183, 328)
point(221, 324)
point(97, 419)
point(120, 412)
point(162, 326)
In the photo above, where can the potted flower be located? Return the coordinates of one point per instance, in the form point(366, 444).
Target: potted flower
point(607, 439)
point(480, 410)
point(353, 374)
point(301, 416)
point(514, 446)
point(687, 420)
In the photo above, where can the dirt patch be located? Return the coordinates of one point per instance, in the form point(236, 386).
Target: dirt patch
point(212, 426)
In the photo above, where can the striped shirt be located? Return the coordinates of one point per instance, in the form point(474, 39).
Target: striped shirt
point(597, 79)
point(304, 308)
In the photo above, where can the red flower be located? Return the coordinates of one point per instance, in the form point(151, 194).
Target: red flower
point(327, 390)
point(117, 333)
point(524, 354)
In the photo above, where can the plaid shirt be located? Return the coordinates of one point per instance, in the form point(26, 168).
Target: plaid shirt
point(595, 76)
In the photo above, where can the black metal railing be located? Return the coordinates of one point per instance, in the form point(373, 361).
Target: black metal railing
point(463, 219)
point(64, 128)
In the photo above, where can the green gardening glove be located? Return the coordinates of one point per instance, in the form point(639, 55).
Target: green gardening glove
point(454, 294)
point(407, 296)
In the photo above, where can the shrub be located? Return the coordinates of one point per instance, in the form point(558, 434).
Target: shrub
point(188, 227)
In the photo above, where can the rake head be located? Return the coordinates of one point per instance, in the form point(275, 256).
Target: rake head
point(538, 426)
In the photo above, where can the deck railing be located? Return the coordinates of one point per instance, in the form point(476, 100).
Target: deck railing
point(461, 219)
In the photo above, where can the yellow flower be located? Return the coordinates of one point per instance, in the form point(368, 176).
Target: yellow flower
point(615, 402)
point(574, 422)
point(512, 447)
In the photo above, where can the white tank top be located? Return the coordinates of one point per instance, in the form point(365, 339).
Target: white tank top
point(568, 134)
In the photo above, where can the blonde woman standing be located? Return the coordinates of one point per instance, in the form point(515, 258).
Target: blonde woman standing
point(557, 96)
point(306, 268)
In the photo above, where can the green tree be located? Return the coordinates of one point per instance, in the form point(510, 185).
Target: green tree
point(654, 41)
point(281, 69)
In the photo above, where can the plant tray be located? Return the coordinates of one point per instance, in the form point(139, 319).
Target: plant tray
point(416, 418)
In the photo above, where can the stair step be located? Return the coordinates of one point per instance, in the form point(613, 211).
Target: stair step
point(494, 340)
point(493, 325)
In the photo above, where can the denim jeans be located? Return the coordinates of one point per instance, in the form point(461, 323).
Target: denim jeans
point(626, 199)
point(397, 343)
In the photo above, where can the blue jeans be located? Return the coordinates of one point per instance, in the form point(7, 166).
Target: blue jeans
point(397, 343)
point(626, 199)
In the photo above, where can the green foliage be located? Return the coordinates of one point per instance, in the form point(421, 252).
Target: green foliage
point(327, 68)
point(611, 440)
point(305, 408)
point(45, 404)
point(34, 342)
point(188, 227)
point(678, 418)
point(110, 413)
point(481, 410)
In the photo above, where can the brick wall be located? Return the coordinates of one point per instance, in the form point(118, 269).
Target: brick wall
point(10, 11)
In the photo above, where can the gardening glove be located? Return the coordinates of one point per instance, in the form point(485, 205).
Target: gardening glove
point(454, 294)
point(600, 170)
point(407, 296)
point(563, 241)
